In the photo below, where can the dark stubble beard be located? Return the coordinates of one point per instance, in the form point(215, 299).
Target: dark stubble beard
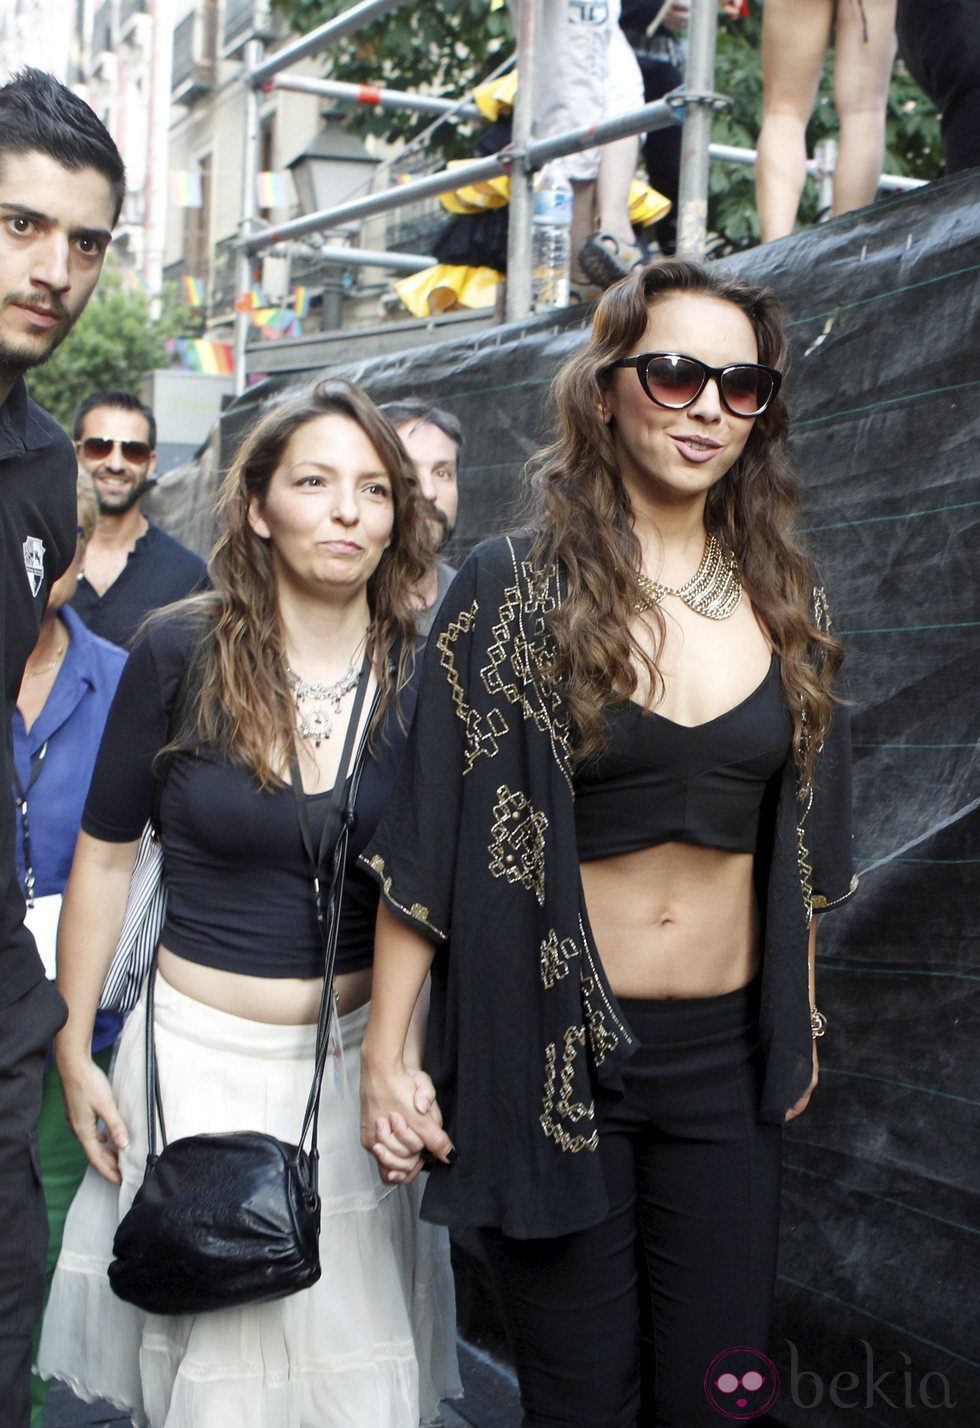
point(13, 362)
point(445, 530)
point(123, 504)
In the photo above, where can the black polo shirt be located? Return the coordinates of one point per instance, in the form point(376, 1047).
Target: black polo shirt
point(38, 520)
point(158, 571)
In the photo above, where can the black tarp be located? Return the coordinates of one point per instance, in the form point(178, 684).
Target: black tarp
point(879, 1257)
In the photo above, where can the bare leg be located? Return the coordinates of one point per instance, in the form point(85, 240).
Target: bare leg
point(617, 169)
point(583, 222)
point(861, 77)
point(795, 38)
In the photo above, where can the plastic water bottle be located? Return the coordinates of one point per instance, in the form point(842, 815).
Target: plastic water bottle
point(551, 241)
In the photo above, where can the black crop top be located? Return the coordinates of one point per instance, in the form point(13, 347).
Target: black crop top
point(661, 782)
point(239, 893)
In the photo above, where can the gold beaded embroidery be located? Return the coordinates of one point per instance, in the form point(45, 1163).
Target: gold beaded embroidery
point(823, 904)
point(518, 655)
point(483, 732)
point(571, 1111)
point(418, 912)
point(605, 1028)
point(555, 956)
point(804, 788)
point(517, 841)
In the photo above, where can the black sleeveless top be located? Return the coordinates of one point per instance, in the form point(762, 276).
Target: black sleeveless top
point(661, 782)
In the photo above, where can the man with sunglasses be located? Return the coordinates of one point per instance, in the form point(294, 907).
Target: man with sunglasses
point(62, 184)
point(131, 566)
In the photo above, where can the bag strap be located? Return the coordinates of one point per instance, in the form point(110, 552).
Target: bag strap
point(336, 831)
point(327, 915)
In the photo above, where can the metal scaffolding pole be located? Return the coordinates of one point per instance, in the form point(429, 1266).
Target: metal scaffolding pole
point(519, 229)
point(660, 114)
point(374, 95)
point(322, 36)
point(652, 116)
point(699, 83)
point(250, 163)
point(375, 258)
point(732, 154)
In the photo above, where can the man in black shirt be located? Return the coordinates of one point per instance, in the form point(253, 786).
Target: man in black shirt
point(131, 566)
point(61, 188)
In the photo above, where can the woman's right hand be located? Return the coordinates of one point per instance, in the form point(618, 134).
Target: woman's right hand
point(400, 1120)
point(89, 1101)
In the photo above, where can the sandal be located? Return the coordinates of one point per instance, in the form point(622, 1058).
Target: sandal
point(605, 260)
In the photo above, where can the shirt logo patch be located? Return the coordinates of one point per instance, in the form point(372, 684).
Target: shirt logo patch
point(34, 562)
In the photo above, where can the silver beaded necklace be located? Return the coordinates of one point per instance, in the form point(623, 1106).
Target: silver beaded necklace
point(317, 705)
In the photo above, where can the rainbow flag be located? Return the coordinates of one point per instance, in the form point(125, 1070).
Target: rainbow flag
point(248, 302)
point(135, 281)
point(270, 189)
point(276, 322)
point(301, 301)
point(203, 354)
point(186, 188)
point(193, 291)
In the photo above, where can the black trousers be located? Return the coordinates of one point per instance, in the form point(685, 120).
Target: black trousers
point(662, 147)
point(26, 1030)
point(940, 42)
point(617, 1325)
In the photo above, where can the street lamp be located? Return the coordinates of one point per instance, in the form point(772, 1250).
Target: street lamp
point(332, 168)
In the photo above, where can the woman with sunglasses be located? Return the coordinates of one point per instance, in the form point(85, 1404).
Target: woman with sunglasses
point(625, 795)
point(249, 691)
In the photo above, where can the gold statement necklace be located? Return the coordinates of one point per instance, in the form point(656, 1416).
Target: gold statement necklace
point(713, 590)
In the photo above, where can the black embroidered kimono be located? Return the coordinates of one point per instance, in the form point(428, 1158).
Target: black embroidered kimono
point(477, 850)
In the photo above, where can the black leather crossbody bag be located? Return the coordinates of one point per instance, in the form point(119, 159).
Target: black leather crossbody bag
point(234, 1217)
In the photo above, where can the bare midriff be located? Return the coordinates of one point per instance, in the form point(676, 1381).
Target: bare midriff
point(280, 1001)
point(675, 920)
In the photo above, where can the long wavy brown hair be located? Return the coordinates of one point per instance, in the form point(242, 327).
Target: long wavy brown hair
point(583, 519)
point(241, 702)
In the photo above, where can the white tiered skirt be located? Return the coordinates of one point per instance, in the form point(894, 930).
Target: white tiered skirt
point(371, 1345)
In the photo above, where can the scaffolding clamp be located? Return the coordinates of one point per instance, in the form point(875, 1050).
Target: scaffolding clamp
point(682, 98)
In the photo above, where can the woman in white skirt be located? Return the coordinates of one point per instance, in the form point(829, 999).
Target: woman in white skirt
point(323, 548)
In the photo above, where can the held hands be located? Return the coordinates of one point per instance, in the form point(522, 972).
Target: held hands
point(89, 1101)
point(804, 1100)
point(400, 1121)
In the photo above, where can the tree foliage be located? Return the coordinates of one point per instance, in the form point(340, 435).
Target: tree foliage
point(114, 344)
point(442, 49)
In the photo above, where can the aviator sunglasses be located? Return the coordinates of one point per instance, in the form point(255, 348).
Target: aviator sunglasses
point(97, 448)
point(674, 381)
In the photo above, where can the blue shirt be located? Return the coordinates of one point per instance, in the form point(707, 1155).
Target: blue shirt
point(71, 723)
